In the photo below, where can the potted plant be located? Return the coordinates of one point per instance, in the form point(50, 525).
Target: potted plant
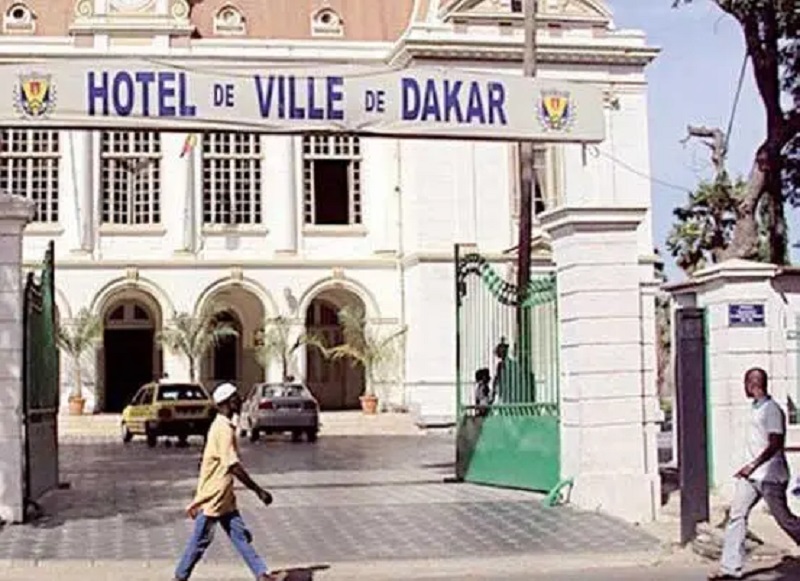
point(192, 337)
point(75, 339)
point(274, 342)
point(371, 348)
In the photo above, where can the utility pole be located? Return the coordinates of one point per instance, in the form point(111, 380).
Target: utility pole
point(527, 172)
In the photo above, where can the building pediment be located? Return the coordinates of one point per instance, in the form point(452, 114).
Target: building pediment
point(132, 17)
point(594, 11)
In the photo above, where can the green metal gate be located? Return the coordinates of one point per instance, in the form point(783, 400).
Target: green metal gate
point(513, 441)
point(40, 383)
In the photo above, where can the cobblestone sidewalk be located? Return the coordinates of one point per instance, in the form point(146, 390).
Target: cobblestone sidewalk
point(343, 499)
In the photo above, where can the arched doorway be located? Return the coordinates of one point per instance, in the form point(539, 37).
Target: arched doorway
point(227, 355)
point(337, 385)
point(233, 359)
point(130, 355)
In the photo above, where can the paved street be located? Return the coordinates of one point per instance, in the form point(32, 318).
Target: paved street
point(356, 499)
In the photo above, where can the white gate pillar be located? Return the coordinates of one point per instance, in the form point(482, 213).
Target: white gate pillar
point(15, 213)
point(751, 321)
point(609, 405)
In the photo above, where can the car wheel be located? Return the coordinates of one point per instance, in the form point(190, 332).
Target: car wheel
point(254, 435)
point(152, 439)
point(126, 434)
point(297, 435)
point(183, 441)
point(312, 435)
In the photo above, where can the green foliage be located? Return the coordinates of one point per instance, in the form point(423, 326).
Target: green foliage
point(275, 342)
point(76, 339)
point(192, 337)
point(368, 346)
point(704, 225)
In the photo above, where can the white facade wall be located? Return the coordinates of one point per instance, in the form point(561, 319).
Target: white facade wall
point(418, 197)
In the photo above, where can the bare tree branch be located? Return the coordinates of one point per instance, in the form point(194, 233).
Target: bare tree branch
point(717, 144)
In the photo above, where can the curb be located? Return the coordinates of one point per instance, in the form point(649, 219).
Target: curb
point(383, 570)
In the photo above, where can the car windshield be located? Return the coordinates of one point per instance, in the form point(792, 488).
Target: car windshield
point(283, 391)
point(181, 392)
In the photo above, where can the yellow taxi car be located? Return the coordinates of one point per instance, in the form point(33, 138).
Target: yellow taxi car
point(168, 409)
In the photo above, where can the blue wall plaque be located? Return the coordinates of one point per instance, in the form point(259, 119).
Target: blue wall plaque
point(746, 315)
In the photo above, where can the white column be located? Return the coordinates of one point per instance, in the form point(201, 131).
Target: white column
point(193, 166)
point(177, 187)
point(379, 181)
point(465, 202)
point(280, 191)
point(609, 406)
point(80, 181)
point(176, 366)
point(15, 213)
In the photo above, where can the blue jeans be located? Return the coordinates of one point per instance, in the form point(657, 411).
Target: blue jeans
point(233, 524)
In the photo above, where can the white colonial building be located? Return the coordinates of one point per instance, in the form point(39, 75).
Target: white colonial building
point(300, 226)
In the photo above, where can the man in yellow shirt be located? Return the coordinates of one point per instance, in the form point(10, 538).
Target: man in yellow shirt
point(214, 501)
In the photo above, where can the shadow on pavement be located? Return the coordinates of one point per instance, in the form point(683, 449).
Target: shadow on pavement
point(302, 573)
point(787, 570)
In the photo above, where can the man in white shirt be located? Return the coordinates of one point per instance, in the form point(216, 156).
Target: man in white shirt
point(766, 475)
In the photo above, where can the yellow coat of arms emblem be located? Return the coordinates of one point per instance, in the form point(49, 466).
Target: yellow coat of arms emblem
point(34, 95)
point(556, 110)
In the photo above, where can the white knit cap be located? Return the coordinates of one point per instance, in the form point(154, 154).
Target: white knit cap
point(223, 393)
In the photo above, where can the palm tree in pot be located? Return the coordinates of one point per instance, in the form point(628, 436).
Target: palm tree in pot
point(275, 342)
point(77, 338)
point(192, 336)
point(372, 348)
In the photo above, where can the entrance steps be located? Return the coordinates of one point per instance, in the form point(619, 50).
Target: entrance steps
point(355, 423)
point(345, 423)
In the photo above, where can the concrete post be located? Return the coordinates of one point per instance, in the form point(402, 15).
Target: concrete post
point(15, 213)
point(609, 404)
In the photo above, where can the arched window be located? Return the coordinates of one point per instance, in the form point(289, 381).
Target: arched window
point(19, 19)
point(326, 22)
point(229, 21)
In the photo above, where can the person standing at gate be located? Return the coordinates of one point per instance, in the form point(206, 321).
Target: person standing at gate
point(766, 475)
point(503, 374)
point(214, 502)
point(483, 391)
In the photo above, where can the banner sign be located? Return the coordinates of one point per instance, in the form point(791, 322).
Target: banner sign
point(416, 102)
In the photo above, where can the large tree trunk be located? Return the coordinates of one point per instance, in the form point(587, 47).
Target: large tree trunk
point(773, 189)
point(744, 243)
point(762, 35)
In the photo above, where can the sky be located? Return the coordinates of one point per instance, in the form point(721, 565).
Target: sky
point(693, 81)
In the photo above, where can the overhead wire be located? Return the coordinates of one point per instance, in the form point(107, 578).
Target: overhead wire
point(639, 172)
point(736, 102)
